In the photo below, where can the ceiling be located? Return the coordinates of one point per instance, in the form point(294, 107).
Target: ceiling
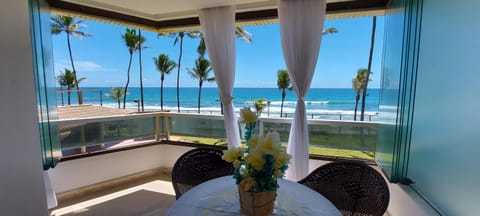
point(164, 15)
point(159, 10)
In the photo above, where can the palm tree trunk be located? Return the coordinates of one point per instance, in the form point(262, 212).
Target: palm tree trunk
point(202, 47)
point(140, 62)
point(61, 90)
point(283, 99)
point(80, 98)
point(68, 98)
point(178, 71)
point(128, 81)
point(118, 101)
point(161, 91)
point(357, 98)
point(367, 78)
point(199, 94)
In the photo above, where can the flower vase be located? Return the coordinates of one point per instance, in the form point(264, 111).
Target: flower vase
point(250, 129)
point(256, 203)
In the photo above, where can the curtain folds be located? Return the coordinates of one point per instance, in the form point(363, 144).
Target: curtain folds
point(218, 26)
point(301, 26)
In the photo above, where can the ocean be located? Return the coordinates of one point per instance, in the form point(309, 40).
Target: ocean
point(335, 101)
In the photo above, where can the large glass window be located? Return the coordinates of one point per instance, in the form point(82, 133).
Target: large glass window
point(96, 112)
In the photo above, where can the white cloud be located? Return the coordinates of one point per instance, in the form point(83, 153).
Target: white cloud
point(88, 66)
point(80, 66)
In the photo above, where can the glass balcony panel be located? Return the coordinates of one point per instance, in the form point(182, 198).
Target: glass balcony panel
point(282, 128)
point(75, 135)
point(348, 139)
point(343, 137)
point(197, 127)
point(330, 138)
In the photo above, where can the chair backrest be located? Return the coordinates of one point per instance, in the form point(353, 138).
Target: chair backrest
point(197, 166)
point(353, 187)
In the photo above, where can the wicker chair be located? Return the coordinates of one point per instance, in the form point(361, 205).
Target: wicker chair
point(197, 166)
point(353, 187)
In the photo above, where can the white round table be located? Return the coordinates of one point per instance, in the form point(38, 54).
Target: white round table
point(220, 197)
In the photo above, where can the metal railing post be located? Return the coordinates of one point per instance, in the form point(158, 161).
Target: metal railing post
point(157, 128)
point(102, 134)
point(167, 127)
point(61, 93)
point(83, 148)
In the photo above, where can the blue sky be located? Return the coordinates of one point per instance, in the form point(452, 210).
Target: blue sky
point(103, 58)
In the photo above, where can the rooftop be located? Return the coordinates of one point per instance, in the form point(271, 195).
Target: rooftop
point(89, 111)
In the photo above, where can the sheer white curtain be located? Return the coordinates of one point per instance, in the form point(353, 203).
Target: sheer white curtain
point(218, 26)
point(301, 26)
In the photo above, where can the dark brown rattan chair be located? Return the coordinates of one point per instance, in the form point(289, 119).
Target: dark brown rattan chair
point(197, 166)
point(353, 187)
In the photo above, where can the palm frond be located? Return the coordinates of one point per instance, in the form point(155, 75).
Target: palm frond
point(194, 34)
point(176, 40)
point(68, 25)
point(81, 79)
point(192, 73)
point(283, 79)
point(201, 70)
point(243, 34)
point(330, 30)
point(80, 34)
point(163, 64)
point(166, 34)
point(117, 93)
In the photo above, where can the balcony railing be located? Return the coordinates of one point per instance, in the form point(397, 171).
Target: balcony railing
point(93, 134)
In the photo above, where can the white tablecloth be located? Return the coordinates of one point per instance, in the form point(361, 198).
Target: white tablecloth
point(220, 197)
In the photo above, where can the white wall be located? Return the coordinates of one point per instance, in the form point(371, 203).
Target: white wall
point(77, 173)
point(21, 182)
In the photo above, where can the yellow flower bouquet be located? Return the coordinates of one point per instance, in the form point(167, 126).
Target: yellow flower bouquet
point(258, 167)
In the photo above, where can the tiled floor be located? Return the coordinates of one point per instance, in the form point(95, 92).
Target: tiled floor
point(147, 197)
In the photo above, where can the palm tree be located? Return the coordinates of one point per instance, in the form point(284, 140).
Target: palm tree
point(358, 85)
point(67, 79)
point(179, 37)
point(70, 26)
point(283, 83)
point(369, 69)
point(259, 105)
point(201, 72)
point(240, 32)
point(62, 82)
point(164, 66)
point(139, 48)
point(117, 94)
point(132, 41)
